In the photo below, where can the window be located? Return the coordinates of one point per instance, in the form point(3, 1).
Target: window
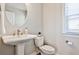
point(72, 18)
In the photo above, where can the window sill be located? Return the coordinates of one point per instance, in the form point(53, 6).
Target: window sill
point(71, 35)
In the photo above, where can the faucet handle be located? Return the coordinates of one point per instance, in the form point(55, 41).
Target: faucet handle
point(18, 30)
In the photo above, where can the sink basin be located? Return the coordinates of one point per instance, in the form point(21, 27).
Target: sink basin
point(14, 40)
point(18, 41)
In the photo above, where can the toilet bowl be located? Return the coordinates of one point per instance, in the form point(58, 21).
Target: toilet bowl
point(44, 49)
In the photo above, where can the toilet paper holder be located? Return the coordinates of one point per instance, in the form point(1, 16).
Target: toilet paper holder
point(69, 42)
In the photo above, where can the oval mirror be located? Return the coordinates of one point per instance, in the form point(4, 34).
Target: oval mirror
point(16, 13)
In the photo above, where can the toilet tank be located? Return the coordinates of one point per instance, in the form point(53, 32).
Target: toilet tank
point(39, 41)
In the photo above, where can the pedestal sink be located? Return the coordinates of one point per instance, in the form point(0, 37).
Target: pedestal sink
point(18, 40)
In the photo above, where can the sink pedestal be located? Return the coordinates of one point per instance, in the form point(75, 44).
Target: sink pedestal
point(20, 49)
point(18, 41)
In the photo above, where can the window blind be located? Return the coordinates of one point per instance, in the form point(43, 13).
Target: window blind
point(72, 17)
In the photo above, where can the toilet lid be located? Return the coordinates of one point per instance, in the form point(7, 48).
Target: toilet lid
point(47, 49)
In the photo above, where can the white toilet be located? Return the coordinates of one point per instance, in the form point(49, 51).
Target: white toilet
point(44, 49)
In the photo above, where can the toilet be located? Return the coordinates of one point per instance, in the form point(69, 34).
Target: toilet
point(44, 49)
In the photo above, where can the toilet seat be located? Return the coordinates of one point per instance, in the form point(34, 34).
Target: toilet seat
point(47, 49)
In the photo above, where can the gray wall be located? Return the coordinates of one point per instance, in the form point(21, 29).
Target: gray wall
point(34, 25)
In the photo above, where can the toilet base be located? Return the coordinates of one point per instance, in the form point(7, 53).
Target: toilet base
point(39, 53)
point(46, 54)
point(43, 53)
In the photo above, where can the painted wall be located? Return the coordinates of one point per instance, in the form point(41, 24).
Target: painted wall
point(52, 28)
point(33, 24)
point(49, 23)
